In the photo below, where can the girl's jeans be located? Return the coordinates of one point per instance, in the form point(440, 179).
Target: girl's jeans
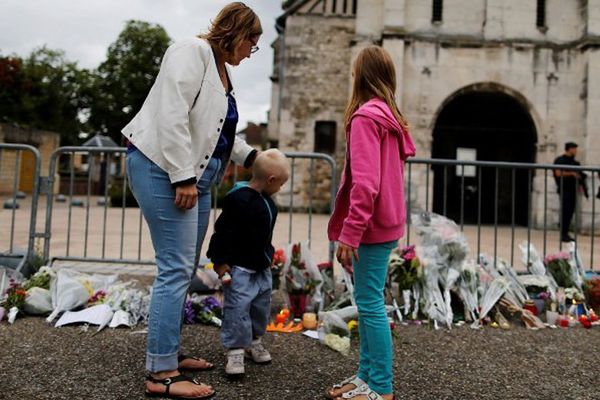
point(375, 336)
point(177, 237)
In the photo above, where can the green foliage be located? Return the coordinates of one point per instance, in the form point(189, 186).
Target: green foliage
point(123, 81)
point(42, 91)
point(561, 272)
point(45, 91)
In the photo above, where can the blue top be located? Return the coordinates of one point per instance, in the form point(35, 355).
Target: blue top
point(227, 137)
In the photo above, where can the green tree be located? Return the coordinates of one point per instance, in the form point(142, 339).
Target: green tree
point(42, 91)
point(123, 81)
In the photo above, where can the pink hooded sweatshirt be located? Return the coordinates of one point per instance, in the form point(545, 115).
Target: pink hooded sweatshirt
point(370, 206)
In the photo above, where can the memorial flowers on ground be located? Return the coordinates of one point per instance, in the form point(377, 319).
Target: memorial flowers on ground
point(301, 279)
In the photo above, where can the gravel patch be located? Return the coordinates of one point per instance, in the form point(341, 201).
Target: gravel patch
point(41, 362)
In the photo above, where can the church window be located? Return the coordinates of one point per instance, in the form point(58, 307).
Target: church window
point(540, 20)
point(437, 10)
point(325, 132)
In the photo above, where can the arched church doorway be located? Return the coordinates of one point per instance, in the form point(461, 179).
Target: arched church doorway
point(483, 125)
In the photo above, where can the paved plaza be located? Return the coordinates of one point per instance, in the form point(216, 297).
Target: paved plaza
point(124, 235)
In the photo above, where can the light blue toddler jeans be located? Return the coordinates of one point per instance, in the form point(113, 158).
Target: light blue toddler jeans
point(177, 236)
point(370, 274)
point(246, 307)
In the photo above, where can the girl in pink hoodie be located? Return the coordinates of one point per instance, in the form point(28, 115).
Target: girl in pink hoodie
point(370, 214)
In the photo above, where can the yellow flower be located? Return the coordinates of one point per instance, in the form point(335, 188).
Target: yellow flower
point(352, 325)
point(209, 266)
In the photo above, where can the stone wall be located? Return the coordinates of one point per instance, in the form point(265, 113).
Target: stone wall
point(316, 84)
point(552, 71)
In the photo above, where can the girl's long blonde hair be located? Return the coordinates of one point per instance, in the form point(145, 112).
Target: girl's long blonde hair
point(374, 76)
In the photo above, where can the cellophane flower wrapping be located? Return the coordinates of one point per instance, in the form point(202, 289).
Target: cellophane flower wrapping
point(442, 253)
point(301, 274)
point(71, 289)
point(492, 292)
point(516, 293)
point(333, 328)
point(442, 233)
point(468, 286)
point(535, 266)
point(434, 304)
point(7, 277)
point(126, 297)
point(577, 270)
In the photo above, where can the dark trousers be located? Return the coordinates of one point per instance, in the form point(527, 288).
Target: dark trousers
point(567, 209)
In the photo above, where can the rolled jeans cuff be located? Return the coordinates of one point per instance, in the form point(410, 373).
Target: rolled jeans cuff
point(161, 362)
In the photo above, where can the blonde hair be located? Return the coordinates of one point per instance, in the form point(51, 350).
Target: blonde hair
point(374, 76)
point(270, 162)
point(235, 23)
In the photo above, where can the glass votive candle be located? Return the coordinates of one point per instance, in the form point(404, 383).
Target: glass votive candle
point(551, 317)
point(309, 320)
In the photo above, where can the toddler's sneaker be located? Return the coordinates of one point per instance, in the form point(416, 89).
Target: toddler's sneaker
point(235, 363)
point(258, 353)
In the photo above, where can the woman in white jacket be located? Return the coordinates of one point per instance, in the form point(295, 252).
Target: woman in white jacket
point(179, 144)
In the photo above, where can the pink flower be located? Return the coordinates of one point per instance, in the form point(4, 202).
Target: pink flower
point(408, 253)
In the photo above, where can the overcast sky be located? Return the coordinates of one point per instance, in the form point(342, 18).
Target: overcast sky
point(85, 28)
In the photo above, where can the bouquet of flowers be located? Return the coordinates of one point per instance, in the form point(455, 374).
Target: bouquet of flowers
point(442, 233)
point(40, 279)
point(535, 266)
point(13, 300)
point(301, 280)
point(406, 271)
point(204, 309)
point(328, 288)
point(14, 296)
point(277, 267)
point(468, 286)
point(592, 293)
point(97, 298)
point(558, 265)
point(122, 296)
point(405, 268)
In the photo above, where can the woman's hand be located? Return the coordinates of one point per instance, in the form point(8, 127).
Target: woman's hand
point(186, 196)
point(345, 254)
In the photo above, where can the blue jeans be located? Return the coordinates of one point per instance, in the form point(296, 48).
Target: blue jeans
point(246, 307)
point(177, 237)
point(370, 274)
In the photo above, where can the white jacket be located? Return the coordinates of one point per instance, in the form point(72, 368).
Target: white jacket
point(179, 125)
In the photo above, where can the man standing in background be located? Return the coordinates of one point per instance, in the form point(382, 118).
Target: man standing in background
point(567, 183)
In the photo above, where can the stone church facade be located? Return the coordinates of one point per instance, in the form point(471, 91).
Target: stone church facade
point(495, 80)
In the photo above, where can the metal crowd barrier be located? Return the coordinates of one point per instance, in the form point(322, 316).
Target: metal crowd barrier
point(23, 251)
point(102, 241)
point(91, 221)
point(497, 204)
point(504, 199)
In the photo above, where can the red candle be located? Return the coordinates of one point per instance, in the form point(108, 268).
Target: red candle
point(280, 318)
point(283, 315)
point(564, 322)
